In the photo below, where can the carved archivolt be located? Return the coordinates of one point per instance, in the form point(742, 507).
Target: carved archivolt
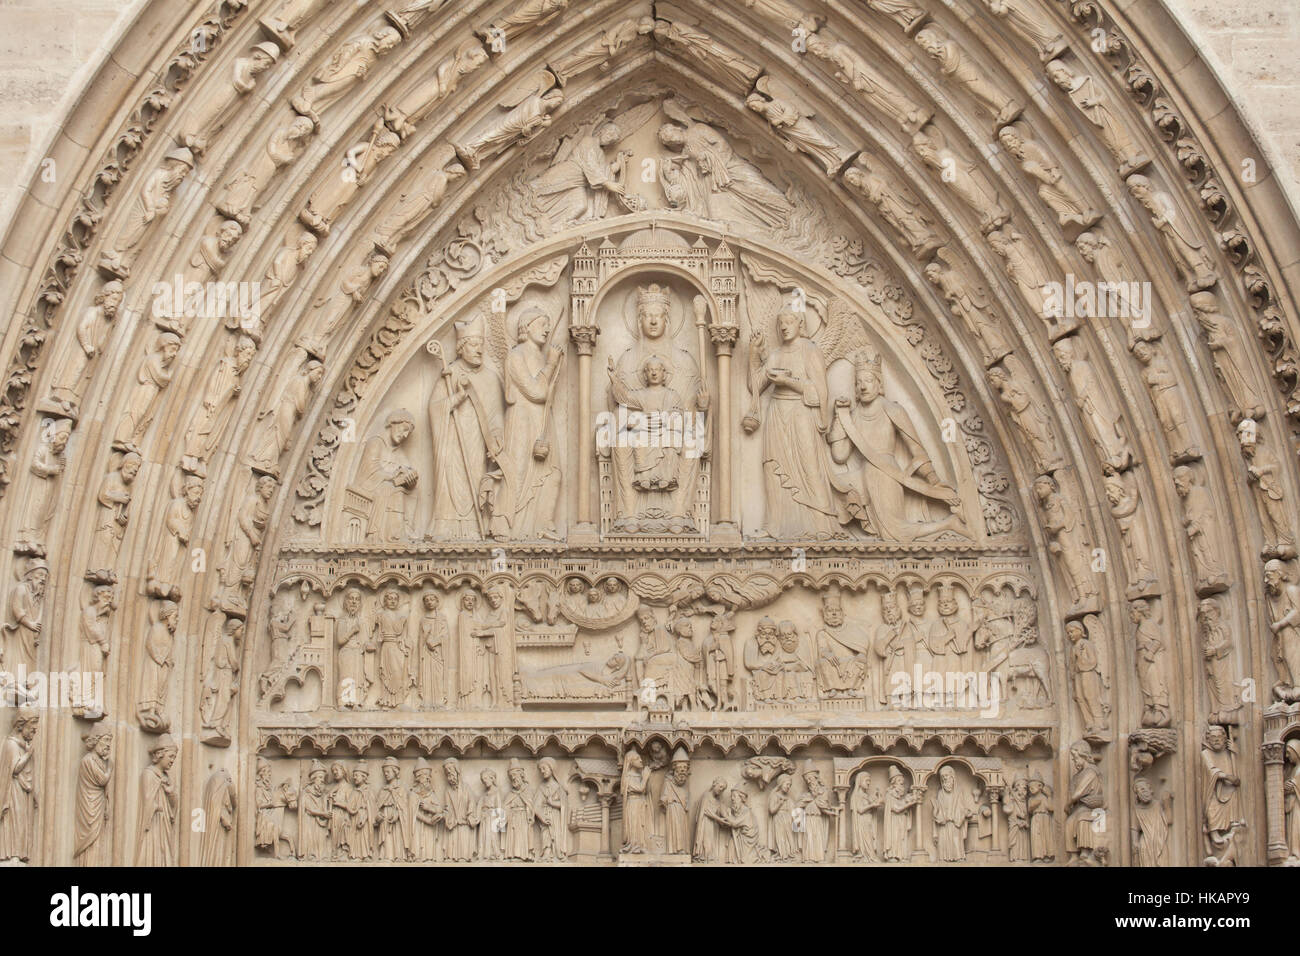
point(614, 435)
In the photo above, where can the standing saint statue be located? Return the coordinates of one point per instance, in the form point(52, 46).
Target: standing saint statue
point(350, 636)
point(796, 466)
point(94, 807)
point(522, 493)
point(155, 832)
point(156, 666)
point(550, 805)
point(953, 812)
point(18, 797)
point(864, 800)
point(675, 801)
point(818, 811)
point(483, 654)
point(1291, 790)
point(466, 416)
point(896, 844)
point(393, 649)
point(638, 822)
point(433, 646)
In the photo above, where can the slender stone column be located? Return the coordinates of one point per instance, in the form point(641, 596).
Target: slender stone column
point(724, 341)
point(1275, 806)
point(919, 848)
point(842, 822)
point(584, 340)
point(606, 838)
point(995, 807)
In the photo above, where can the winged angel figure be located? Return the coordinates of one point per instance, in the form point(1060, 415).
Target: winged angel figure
point(581, 178)
point(831, 462)
point(703, 174)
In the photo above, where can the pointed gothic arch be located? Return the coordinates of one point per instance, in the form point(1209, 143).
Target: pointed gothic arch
point(178, 479)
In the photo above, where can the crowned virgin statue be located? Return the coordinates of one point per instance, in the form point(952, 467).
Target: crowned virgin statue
point(659, 400)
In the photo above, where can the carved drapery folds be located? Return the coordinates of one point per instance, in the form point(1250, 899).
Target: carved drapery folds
point(658, 804)
point(591, 424)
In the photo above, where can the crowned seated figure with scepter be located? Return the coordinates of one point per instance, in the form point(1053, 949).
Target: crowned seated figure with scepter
point(897, 489)
point(653, 481)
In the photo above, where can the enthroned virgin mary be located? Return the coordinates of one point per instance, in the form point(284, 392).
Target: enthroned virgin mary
point(660, 387)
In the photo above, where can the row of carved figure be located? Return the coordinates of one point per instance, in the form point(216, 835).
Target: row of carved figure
point(244, 192)
point(793, 816)
point(506, 647)
point(396, 653)
point(342, 816)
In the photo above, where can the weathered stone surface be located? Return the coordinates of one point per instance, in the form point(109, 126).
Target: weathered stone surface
point(686, 453)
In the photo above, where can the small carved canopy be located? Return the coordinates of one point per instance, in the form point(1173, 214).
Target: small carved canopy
point(919, 770)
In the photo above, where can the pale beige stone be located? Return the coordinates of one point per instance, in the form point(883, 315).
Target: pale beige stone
point(602, 423)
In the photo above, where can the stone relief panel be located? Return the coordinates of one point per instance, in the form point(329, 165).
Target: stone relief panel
point(505, 639)
point(661, 803)
point(646, 359)
point(720, 458)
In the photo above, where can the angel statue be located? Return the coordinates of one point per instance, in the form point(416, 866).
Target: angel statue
point(894, 489)
point(520, 495)
point(660, 384)
point(530, 103)
point(577, 185)
point(707, 178)
point(797, 481)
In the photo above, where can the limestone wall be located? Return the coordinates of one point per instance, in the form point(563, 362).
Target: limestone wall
point(47, 49)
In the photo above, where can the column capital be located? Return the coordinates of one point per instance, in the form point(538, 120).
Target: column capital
point(724, 337)
point(584, 338)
